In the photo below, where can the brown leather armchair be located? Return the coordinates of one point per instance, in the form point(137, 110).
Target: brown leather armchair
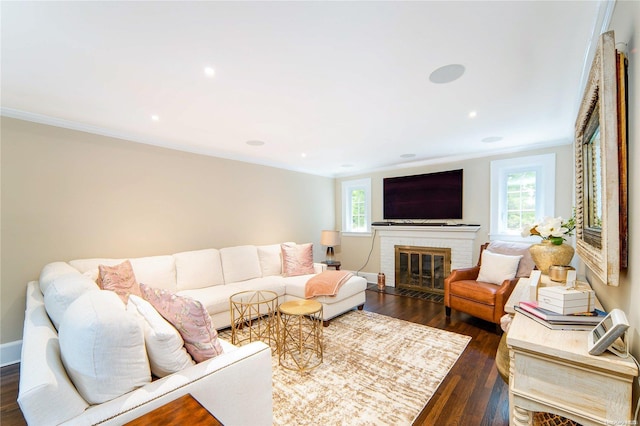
point(482, 300)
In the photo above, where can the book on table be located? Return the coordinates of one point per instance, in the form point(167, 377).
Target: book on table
point(557, 325)
point(594, 317)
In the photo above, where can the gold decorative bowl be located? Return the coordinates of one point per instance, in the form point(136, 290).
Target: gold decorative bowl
point(558, 273)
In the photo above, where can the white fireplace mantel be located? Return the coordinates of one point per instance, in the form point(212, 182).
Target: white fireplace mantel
point(460, 239)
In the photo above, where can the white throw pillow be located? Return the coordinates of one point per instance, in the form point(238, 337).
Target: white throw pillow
point(270, 260)
point(495, 268)
point(165, 346)
point(63, 291)
point(102, 347)
point(511, 248)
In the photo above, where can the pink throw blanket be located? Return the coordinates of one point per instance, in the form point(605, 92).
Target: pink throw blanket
point(326, 283)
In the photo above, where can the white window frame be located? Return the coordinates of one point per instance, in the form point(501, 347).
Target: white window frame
point(348, 187)
point(545, 167)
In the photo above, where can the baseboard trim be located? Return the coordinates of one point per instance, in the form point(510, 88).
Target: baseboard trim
point(10, 353)
point(371, 277)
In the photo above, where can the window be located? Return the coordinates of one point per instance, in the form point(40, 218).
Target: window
point(522, 191)
point(356, 206)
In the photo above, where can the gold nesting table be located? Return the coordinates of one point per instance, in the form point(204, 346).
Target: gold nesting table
point(300, 335)
point(253, 317)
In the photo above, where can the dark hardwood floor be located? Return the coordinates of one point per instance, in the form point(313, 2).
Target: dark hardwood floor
point(472, 393)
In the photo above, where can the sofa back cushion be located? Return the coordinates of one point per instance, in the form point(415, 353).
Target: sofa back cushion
point(63, 291)
point(240, 263)
point(198, 269)
point(52, 271)
point(156, 271)
point(102, 347)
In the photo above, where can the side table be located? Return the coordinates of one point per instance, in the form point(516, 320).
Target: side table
point(253, 317)
point(551, 371)
point(182, 411)
point(335, 265)
point(300, 335)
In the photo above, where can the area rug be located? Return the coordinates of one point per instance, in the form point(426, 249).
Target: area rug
point(377, 370)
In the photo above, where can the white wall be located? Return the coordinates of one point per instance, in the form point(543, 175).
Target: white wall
point(69, 194)
point(354, 251)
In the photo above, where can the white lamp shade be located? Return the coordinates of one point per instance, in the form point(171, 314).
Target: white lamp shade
point(330, 238)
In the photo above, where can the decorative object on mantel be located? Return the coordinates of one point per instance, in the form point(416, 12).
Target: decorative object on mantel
point(551, 250)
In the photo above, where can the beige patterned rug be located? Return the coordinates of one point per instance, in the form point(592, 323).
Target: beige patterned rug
point(377, 370)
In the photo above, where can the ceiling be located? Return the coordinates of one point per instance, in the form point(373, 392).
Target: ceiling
point(329, 88)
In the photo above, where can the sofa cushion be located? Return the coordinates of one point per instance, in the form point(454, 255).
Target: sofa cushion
point(297, 259)
point(198, 269)
point(120, 279)
point(190, 319)
point(164, 344)
point(156, 271)
point(240, 263)
point(52, 271)
point(514, 249)
point(102, 347)
point(216, 299)
point(63, 291)
point(495, 268)
point(270, 259)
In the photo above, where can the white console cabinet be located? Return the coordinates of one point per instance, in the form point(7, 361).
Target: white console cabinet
point(551, 371)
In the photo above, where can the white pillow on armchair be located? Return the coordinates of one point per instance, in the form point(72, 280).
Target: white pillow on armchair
point(495, 268)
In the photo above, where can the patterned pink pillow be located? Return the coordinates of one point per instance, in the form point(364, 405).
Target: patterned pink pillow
point(297, 259)
point(191, 320)
point(119, 279)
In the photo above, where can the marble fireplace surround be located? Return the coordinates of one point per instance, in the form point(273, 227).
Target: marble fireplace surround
point(460, 239)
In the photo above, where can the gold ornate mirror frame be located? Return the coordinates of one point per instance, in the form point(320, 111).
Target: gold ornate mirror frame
point(600, 159)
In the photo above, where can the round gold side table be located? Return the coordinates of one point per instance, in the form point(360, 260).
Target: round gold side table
point(253, 317)
point(300, 335)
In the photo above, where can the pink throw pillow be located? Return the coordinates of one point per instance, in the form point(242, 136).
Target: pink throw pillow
point(297, 259)
point(191, 320)
point(120, 279)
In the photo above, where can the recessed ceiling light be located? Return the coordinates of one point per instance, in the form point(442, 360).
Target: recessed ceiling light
point(492, 139)
point(407, 155)
point(303, 155)
point(473, 114)
point(209, 72)
point(155, 118)
point(255, 143)
point(447, 74)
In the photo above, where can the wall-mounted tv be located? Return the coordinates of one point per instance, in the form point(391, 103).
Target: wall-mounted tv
point(427, 196)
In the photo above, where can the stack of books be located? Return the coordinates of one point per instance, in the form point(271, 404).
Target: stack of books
point(555, 321)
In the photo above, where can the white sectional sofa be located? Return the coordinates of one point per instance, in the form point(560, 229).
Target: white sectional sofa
point(234, 386)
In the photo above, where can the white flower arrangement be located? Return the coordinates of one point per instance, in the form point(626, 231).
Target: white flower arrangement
point(554, 229)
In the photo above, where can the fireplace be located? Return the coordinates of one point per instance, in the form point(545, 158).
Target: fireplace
point(422, 268)
point(460, 239)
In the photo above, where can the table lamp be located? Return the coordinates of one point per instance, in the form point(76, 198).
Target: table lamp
point(330, 239)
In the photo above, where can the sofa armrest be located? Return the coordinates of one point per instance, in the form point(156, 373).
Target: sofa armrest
point(46, 396)
point(319, 267)
point(236, 387)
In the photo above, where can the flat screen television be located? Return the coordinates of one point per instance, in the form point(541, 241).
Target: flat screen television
point(427, 196)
